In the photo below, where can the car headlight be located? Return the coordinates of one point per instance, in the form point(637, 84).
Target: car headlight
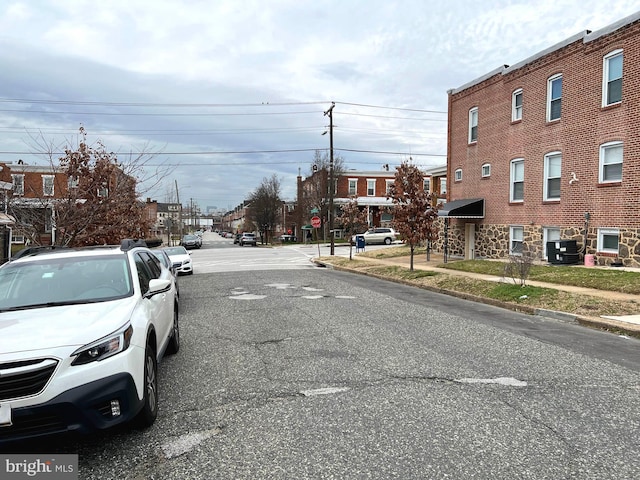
point(104, 348)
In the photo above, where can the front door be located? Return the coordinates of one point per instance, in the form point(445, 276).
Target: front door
point(469, 241)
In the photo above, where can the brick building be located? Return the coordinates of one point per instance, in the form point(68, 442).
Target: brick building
point(549, 149)
point(368, 187)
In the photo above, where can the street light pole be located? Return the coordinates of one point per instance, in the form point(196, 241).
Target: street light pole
point(329, 113)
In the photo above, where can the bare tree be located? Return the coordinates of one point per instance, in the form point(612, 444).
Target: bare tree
point(265, 206)
point(96, 199)
point(352, 220)
point(413, 215)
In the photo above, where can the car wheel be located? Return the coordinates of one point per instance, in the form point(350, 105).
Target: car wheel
point(387, 241)
point(174, 341)
point(149, 411)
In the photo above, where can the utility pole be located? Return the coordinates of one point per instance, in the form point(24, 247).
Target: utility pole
point(179, 210)
point(329, 113)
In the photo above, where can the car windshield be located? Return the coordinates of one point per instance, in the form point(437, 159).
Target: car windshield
point(63, 281)
point(176, 251)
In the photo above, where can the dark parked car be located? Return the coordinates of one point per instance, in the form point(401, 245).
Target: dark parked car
point(236, 238)
point(191, 241)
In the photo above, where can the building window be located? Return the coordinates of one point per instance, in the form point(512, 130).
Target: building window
point(17, 238)
point(47, 185)
point(73, 182)
point(388, 184)
point(612, 78)
point(608, 240)
point(611, 162)
point(457, 175)
point(426, 185)
point(554, 98)
point(18, 184)
point(552, 168)
point(353, 186)
point(486, 170)
point(473, 125)
point(517, 180)
point(103, 192)
point(516, 105)
point(371, 187)
point(443, 186)
point(516, 238)
point(549, 234)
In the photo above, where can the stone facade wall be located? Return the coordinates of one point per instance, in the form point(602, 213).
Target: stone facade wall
point(492, 242)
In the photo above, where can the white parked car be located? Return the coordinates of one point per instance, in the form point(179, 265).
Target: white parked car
point(181, 259)
point(83, 331)
point(380, 235)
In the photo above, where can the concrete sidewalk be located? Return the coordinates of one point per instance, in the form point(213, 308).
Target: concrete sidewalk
point(629, 323)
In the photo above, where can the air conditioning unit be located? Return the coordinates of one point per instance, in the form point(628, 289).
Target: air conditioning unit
point(563, 252)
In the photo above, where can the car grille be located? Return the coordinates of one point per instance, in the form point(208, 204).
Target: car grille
point(21, 379)
point(33, 424)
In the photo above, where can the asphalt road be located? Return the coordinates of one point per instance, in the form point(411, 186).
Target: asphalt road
point(309, 373)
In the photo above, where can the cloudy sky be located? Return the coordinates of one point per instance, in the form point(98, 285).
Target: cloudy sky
point(216, 95)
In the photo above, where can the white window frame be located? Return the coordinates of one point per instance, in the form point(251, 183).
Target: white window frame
point(516, 236)
point(48, 185)
point(548, 175)
point(486, 170)
point(426, 184)
point(352, 189)
point(516, 110)
point(604, 149)
point(473, 125)
point(457, 175)
point(606, 81)
point(18, 183)
point(550, 99)
point(443, 186)
point(608, 232)
point(17, 238)
point(371, 187)
point(514, 180)
point(103, 192)
point(549, 234)
point(388, 184)
point(73, 182)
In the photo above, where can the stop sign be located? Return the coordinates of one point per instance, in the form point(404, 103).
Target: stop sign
point(315, 222)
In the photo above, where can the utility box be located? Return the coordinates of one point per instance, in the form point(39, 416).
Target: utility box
point(563, 252)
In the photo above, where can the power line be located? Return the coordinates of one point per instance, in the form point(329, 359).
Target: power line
point(241, 152)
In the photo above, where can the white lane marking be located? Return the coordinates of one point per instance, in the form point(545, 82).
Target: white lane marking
point(324, 391)
point(247, 296)
point(348, 297)
point(508, 381)
point(186, 443)
point(280, 286)
point(312, 297)
point(312, 289)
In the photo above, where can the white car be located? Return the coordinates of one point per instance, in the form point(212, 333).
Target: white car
point(83, 331)
point(381, 235)
point(181, 259)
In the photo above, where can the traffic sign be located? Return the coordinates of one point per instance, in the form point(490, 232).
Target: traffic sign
point(315, 222)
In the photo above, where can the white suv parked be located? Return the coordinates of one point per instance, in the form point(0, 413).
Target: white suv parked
point(82, 333)
point(380, 235)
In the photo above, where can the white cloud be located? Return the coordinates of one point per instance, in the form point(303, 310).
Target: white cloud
point(392, 54)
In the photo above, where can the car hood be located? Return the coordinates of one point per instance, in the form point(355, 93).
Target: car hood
point(179, 258)
point(68, 325)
